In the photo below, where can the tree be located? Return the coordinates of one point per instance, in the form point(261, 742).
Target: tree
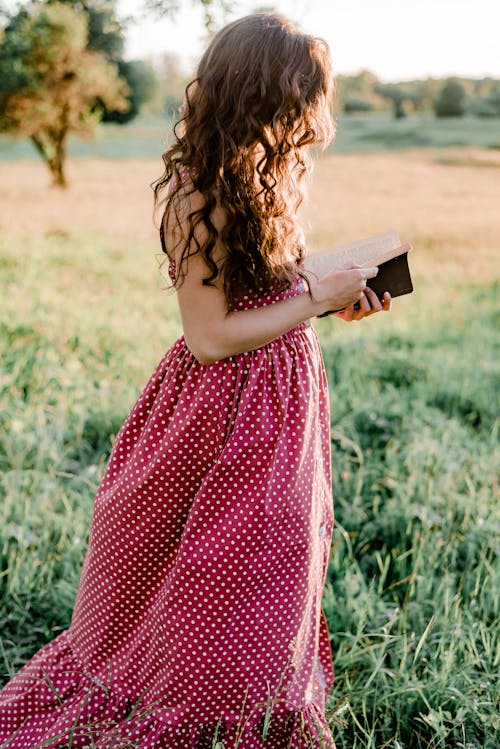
point(359, 85)
point(395, 94)
point(107, 35)
point(50, 81)
point(451, 100)
point(106, 32)
point(142, 83)
point(355, 93)
point(353, 104)
point(424, 92)
point(488, 106)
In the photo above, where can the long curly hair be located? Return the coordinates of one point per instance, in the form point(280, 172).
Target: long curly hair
point(261, 96)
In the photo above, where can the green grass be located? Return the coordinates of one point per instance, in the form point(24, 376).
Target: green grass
point(413, 579)
point(368, 133)
point(412, 590)
point(142, 138)
point(145, 137)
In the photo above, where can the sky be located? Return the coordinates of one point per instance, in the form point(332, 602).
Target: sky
point(396, 39)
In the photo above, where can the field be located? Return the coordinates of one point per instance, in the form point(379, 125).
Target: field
point(412, 592)
point(144, 137)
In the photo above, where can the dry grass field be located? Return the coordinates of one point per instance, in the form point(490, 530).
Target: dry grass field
point(433, 198)
point(445, 202)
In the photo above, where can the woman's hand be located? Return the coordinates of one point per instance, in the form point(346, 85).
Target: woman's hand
point(369, 303)
point(340, 287)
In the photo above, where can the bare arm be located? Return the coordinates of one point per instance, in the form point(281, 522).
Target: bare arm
point(212, 333)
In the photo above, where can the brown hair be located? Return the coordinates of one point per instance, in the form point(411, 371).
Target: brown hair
point(261, 94)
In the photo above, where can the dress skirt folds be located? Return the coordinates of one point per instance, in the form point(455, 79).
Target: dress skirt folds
point(198, 617)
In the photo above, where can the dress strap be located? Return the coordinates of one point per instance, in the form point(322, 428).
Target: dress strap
point(162, 235)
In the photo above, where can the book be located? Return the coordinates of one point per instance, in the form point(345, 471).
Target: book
point(382, 250)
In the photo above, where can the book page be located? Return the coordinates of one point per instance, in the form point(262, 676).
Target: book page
point(366, 252)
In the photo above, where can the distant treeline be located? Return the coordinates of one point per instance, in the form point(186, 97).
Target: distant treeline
point(364, 92)
point(450, 97)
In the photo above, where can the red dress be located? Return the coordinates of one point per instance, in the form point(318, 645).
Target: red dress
point(199, 607)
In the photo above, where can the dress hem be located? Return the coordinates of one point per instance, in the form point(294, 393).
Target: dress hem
point(90, 713)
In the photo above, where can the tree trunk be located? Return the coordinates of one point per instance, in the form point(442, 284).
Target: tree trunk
point(55, 162)
point(399, 109)
point(59, 162)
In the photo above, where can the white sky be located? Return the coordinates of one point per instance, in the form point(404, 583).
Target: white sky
point(396, 39)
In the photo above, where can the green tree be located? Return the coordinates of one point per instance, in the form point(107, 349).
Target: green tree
point(142, 83)
point(353, 104)
point(355, 93)
point(50, 81)
point(106, 34)
point(451, 100)
point(487, 106)
point(360, 85)
point(424, 92)
point(395, 94)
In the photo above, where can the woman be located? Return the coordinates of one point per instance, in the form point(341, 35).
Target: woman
point(198, 617)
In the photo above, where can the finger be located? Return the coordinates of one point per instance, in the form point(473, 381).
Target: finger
point(369, 272)
point(349, 312)
point(375, 302)
point(361, 308)
point(386, 301)
point(364, 304)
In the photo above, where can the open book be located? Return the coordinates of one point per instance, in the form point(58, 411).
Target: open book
point(382, 250)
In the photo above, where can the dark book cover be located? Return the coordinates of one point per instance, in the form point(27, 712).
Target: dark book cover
point(393, 276)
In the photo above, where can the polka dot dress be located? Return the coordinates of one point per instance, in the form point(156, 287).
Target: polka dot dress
point(198, 617)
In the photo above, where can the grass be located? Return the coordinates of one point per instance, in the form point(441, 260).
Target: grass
point(412, 573)
point(144, 137)
point(376, 132)
point(411, 595)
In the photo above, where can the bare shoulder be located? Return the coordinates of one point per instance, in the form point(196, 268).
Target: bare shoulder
point(183, 202)
point(187, 201)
